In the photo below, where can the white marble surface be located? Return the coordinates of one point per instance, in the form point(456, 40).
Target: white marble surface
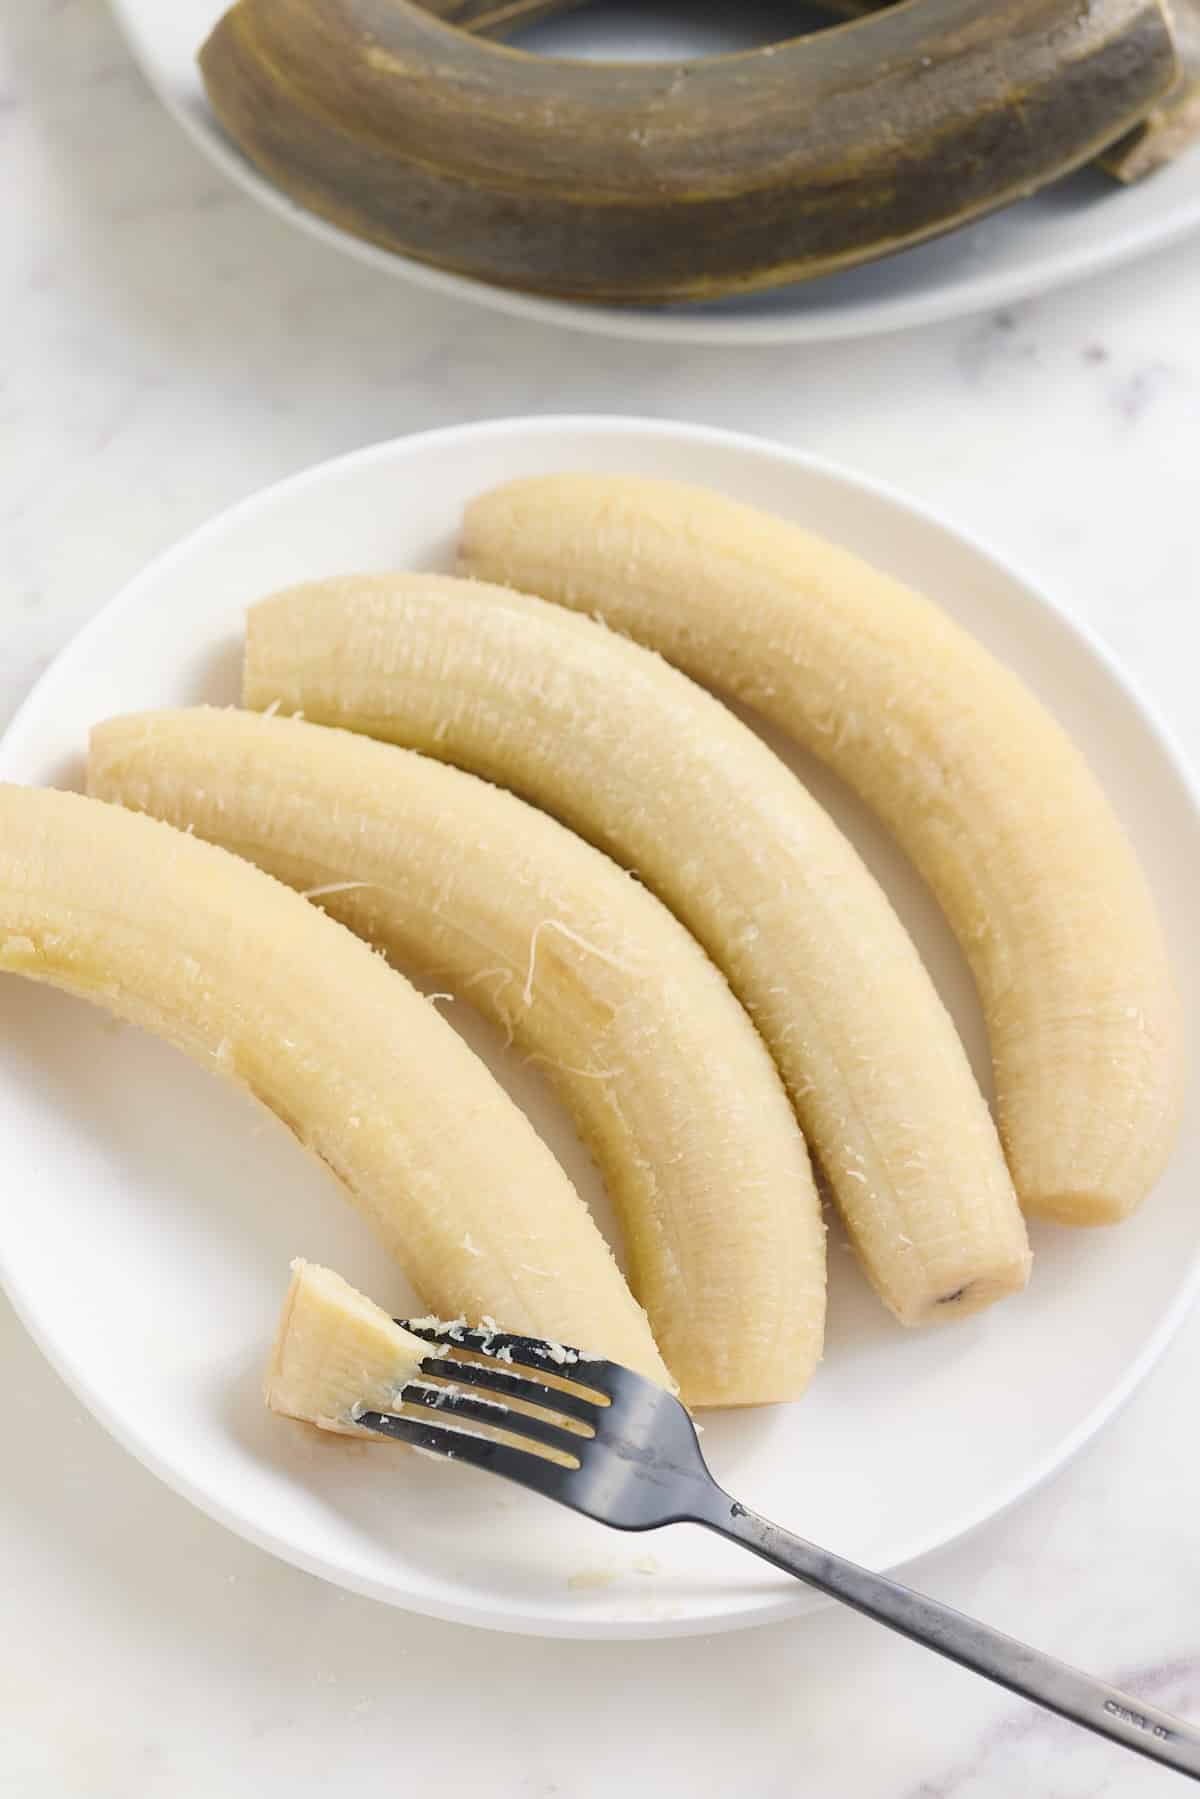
point(167, 349)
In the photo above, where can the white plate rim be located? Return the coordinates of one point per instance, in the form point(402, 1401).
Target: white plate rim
point(870, 319)
point(140, 1445)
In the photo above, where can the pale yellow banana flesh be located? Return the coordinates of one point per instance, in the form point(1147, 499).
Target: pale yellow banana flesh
point(645, 765)
point(978, 783)
point(204, 950)
point(336, 1351)
point(667, 1080)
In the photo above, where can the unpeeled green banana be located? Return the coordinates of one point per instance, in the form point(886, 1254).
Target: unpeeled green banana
point(681, 180)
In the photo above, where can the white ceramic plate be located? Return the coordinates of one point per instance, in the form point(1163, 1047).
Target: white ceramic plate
point(152, 1211)
point(1082, 225)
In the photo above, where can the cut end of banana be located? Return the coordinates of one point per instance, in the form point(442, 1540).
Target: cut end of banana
point(976, 1295)
point(336, 1350)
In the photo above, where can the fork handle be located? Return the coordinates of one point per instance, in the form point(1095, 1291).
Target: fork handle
point(1049, 1683)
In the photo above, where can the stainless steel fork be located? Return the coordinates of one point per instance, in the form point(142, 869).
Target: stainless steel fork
point(608, 1443)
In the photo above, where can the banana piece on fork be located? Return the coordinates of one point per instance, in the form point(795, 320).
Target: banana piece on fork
point(336, 1350)
point(338, 1357)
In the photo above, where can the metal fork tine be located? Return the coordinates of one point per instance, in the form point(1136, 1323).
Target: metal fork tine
point(482, 1411)
point(528, 1469)
point(531, 1352)
point(643, 1468)
point(507, 1378)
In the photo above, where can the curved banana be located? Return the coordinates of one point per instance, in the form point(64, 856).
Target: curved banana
point(1169, 128)
point(648, 767)
point(676, 181)
point(981, 787)
point(198, 947)
point(667, 1080)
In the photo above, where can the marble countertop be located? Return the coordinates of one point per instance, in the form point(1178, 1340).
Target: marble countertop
point(170, 348)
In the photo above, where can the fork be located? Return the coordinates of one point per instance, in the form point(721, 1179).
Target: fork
point(608, 1443)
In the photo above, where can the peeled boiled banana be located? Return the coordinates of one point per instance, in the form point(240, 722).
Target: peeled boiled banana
point(199, 947)
point(587, 973)
point(676, 180)
point(650, 768)
point(336, 1351)
point(981, 787)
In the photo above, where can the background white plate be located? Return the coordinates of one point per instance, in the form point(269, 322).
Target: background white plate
point(1083, 224)
point(151, 1212)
